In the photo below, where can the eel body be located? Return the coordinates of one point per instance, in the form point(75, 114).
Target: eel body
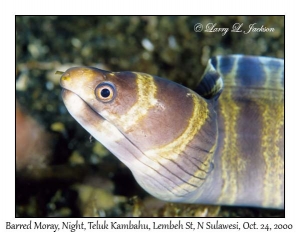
point(221, 143)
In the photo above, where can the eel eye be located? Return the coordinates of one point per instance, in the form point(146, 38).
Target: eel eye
point(105, 92)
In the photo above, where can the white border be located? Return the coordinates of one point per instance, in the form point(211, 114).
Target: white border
point(10, 8)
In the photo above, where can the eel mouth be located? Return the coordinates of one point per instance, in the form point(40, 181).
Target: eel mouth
point(80, 110)
point(100, 128)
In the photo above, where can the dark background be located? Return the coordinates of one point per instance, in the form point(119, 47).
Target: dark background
point(61, 170)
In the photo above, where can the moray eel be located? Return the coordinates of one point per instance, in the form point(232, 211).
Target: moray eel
point(221, 143)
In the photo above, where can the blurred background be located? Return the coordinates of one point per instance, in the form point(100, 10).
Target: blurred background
point(61, 171)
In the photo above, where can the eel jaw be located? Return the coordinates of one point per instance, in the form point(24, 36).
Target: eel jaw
point(102, 130)
point(89, 119)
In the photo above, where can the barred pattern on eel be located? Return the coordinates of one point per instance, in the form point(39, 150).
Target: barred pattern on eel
point(221, 143)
